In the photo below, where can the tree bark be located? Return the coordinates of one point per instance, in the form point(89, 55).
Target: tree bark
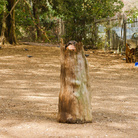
point(74, 98)
point(10, 23)
point(36, 17)
point(2, 37)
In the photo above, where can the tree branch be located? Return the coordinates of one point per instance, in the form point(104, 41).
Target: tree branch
point(12, 8)
point(29, 6)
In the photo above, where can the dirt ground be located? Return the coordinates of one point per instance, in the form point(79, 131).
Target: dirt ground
point(29, 89)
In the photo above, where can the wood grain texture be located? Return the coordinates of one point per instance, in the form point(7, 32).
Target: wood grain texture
point(74, 97)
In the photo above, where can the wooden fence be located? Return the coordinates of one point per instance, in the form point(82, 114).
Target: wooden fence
point(113, 40)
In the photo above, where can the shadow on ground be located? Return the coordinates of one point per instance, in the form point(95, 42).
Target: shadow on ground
point(29, 89)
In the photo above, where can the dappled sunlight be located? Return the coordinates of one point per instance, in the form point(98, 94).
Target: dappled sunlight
point(7, 71)
point(30, 87)
point(7, 57)
point(38, 98)
point(100, 72)
point(38, 72)
point(122, 66)
point(119, 125)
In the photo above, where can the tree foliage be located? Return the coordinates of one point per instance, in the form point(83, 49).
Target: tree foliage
point(132, 14)
point(2, 6)
point(78, 17)
point(79, 14)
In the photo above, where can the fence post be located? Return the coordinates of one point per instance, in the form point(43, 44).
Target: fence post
point(108, 30)
point(124, 22)
point(61, 28)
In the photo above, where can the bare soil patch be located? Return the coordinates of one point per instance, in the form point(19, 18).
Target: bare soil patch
point(29, 89)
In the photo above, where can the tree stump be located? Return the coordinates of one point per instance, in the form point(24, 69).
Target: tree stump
point(74, 98)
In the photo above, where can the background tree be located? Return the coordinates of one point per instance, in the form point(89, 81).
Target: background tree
point(36, 17)
point(38, 20)
point(79, 15)
point(132, 14)
point(10, 23)
point(25, 28)
point(2, 21)
point(34, 21)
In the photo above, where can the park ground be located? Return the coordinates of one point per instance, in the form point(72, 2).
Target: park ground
point(29, 89)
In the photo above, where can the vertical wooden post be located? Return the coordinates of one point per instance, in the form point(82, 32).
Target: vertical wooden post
point(59, 29)
point(108, 30)
point(125, 34)
point(63, 28)
point(113, 41)
point(95, 31)
point(74, 98)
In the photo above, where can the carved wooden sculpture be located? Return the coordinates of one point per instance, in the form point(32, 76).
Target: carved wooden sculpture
point(74, 97)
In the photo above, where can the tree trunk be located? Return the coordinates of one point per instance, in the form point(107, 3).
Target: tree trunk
point(10, 23)
point(74, 97)
point(36, 17)
point(2, 37)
